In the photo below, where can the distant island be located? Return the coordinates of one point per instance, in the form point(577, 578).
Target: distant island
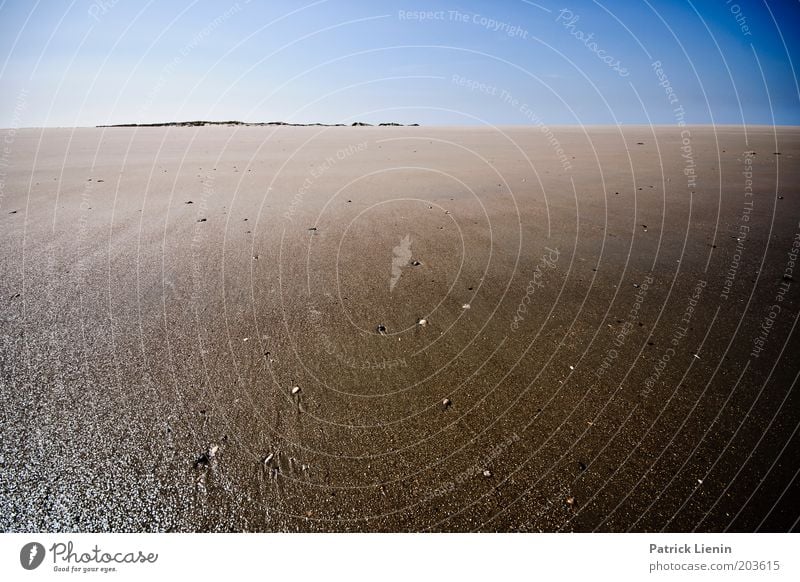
point(247, 124)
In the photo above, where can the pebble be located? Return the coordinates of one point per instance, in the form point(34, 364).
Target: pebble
point(487, 473)
point(446, 403)
point(296, 389)
point(465, 306)
point(381, 329)
point(202, 219)
point(422, 322)
point(570, 501)
point(415, 263)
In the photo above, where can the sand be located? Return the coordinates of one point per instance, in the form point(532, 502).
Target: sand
point(190, 329)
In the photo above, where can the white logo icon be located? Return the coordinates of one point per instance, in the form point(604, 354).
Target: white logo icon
point(401, 258)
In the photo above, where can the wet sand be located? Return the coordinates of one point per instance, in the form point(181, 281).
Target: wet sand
point(190, 329)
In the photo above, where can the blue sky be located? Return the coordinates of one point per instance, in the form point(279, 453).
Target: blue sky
point(466, 62)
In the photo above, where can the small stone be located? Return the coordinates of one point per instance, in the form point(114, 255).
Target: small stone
point(700, 481)
point(465, 306)
point(296, 390)
point(422, 322)
point(487, 473)
point(202, 219)
point(13, 212)
point(581, 466)
point(313, 228)
point(415, 263)
point(446, 403)
point(189, 202)
point(381, 329)
point(571, 367)
point(636, 285)
point(570, 501)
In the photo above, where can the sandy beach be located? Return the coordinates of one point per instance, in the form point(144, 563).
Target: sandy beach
point(400, 329)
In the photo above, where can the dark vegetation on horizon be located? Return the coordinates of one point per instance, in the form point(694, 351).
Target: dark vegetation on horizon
point(244, 123)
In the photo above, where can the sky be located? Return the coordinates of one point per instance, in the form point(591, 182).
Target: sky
point(86, 63)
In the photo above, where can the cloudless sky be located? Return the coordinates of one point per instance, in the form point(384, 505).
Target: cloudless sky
point(84, 63)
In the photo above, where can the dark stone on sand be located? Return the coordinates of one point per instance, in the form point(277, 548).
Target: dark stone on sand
point(202, 461)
